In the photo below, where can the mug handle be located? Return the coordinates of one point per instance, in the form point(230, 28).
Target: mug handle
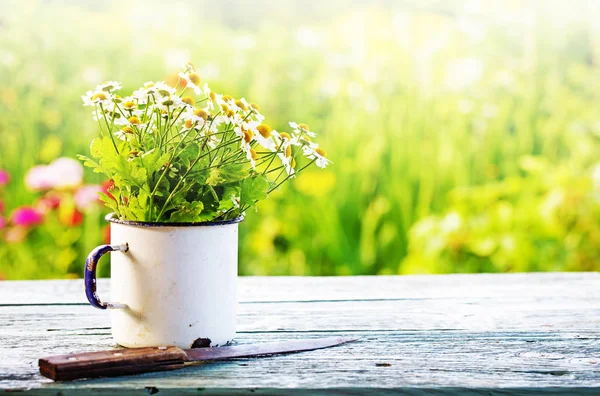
point(90, 275)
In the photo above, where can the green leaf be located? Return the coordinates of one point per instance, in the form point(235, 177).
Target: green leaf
point(233, 172)
point(187, 212)
point(253, 189)
point(154, 160)
point(230, 190)
point(215, 178)
point(134, 210)
point(111, 203)
point(90, 163)
point(189, 154)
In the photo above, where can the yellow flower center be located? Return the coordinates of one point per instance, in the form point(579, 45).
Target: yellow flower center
point(194, 78)
point(240, 104)
point(248, 135)
point(307, 138)
point(134, 120)
point(288, 151)
point(188, 100)
point(129, 105)
point(321, 152)
point(212, 96)
point(188, 124)
point(127, 129)
point(285, 135)
point(133, 153)
point(99, 96)
point(201, 113)
point(224, 107)
point(293, 163)
point(253, 154)
point(227, 98)
point(230, 113)
point(255, 106)
point(304, 126)
point(264, 130)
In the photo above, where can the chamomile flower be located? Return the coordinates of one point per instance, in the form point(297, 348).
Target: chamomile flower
point(109, 86)
point(301, 129)
point(128, 103)
point(317, 154)
point(251, 156)
point(235, 199)
point(169, 102)
point(214, 100)
point(97, 97)
point(163, 89)
point(265, 137)
point(192, 80)
point(288, 163)
point(123, 132)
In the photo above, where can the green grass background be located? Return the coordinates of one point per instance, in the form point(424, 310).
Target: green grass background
point(465, 135)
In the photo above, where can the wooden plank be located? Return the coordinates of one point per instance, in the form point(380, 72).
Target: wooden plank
point(409, 359)
point(422, 329)
point(524, 314)
point(272, 289)
point(513, 334)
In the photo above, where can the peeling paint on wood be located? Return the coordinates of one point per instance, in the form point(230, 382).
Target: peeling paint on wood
point(467, 334)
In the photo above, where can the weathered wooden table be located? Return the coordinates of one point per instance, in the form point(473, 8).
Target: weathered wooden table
point(488, 334)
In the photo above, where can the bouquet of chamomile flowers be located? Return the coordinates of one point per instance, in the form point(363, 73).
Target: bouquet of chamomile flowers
point(190, 156)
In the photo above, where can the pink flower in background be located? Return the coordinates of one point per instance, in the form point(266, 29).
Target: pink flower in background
point(62, 173)
point(2, 222)
point(48, 202)
point(4, 177)
point(1, 207)
point(26, 216)
point(87, 196)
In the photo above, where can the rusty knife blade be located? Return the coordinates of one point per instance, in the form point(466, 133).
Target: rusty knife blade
point(267, 348)
point(143, 360)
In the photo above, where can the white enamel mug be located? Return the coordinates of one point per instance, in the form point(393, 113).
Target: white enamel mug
point(171, 283)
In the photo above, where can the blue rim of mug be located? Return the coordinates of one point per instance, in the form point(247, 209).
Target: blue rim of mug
point(110, 218)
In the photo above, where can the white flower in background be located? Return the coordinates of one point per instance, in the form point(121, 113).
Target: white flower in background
point(175, 57)
point(308, 37)
point(92, 75)
point(464, 72)
point(451, 222)
point(489, 110)
point(465, 106)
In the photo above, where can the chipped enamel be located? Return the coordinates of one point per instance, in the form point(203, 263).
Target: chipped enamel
point(174, 285)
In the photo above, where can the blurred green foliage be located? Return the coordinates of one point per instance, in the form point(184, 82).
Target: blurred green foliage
point(464, 138)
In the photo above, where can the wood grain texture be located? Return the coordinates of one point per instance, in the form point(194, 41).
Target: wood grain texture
point(468, 334)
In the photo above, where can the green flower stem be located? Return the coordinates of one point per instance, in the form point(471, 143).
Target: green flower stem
point(290, 175)
point(183, 178)
point(112, 138)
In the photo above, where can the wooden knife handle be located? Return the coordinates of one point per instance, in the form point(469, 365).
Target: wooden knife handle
point(112, 363)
